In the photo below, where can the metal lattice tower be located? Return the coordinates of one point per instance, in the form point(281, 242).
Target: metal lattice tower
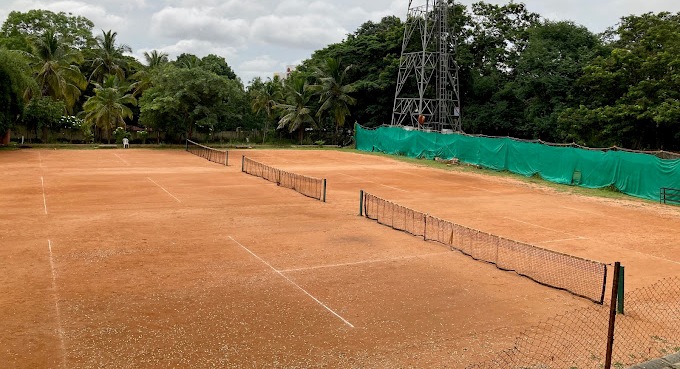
point(427, 95)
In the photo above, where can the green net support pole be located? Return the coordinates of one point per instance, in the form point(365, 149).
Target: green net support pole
point(619, 299)
point(361, 203)
point(324, 190)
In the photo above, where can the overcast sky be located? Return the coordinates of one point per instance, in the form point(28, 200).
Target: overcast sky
point(260, 37)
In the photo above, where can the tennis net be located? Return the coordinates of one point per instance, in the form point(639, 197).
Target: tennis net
point(308, 186)
point(581, 277)
point(205, 152)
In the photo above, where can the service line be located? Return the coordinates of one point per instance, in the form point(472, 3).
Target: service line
point(546, 228)
point(55, 297)
point(121, 159)
point(293, 283)
point(374, 261)
point(161, 187)
point(42, 183)
point(369, 181)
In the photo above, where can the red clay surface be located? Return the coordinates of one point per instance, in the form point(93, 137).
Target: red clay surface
point(157, 259)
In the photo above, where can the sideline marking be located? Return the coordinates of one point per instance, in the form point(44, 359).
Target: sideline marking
point(121, 159)
point(173, 196)
point(363, 262)
point(546, 228)
point(293, 283)
point(369, 181)
point(42, 182)
point(56, 306)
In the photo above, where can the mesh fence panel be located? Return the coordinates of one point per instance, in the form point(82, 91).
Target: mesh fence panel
point(308, 186)
point(205, 152)
point(584, 278)
point(648, 329)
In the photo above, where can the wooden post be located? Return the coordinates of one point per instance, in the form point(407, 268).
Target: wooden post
point(612, 316)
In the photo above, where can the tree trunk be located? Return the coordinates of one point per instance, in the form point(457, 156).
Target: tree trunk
point(301, 134)
point(6, 137)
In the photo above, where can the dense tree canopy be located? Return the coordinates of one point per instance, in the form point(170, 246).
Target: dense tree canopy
point(520, 76)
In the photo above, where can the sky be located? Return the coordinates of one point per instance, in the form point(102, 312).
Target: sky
point(261, 37)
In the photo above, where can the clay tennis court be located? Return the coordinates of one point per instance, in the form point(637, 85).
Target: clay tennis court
point(157, 259)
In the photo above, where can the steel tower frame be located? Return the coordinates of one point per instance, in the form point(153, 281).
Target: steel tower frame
point(435, 106)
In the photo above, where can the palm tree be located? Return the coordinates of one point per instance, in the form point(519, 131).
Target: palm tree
point(56, 70)
point(107, 108)
point(265, 99)
point(108, 58)
point(296, 114)
point(333, 92)
point(155, 60)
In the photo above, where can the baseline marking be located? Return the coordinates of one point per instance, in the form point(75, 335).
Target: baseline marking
point(161, 187)
point(121, 159)
point(42, 182)
point(363, 262)
point(546, 228)
point(292, 282)
point(56, 306)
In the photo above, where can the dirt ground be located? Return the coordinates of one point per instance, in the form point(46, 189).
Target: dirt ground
point(157, 259)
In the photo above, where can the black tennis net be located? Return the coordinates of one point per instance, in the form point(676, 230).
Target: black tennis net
point(205, 152)
point(581, 277)
point(308, 186)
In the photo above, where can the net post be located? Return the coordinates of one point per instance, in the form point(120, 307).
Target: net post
point(361, 203)
point(186, 144)
point(324, 190)
point(243, 160)
point(612, 316)
point(621, 291)
point(226, 158)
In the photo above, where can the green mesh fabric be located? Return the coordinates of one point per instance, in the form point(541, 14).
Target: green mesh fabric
point(636, 174)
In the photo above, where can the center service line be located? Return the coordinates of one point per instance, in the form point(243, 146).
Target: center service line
point(161, 187)
point(42, 182)
point(293, 283)
point(56, 306)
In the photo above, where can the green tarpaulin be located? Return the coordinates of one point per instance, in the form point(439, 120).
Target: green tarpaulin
point(635, 174)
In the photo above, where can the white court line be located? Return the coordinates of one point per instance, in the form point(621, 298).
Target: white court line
point(561, 240)
point(590, 212)
point(40, 158)
point(121, 159)
point(546, 228)
point(362, 262)
point(449, 182)
point(42, 182)
point(56, 306)
point(293, 283)
point(161, 187)
point(369, 181)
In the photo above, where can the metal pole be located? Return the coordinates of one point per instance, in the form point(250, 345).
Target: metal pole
point(243, 160)
point(226, 158)
point(612, 317)
point(621, 291)
point(324, 190)
point(186, 144)
point(361, 203)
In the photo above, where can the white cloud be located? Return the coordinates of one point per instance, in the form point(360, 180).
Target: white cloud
point(305, 32)
point(200, 24)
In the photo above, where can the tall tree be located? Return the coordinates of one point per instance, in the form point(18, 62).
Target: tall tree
point(333, 92)
point(108, 58)
point(155, 60)
point(265, 96)
point(217, 65)
point(15, 80)
point(56, 69)
point(296, 115)
point(20, 29)
point(109, 107)
point(631, 96)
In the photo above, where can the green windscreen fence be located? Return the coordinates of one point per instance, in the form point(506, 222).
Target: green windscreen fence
point(636, 174)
